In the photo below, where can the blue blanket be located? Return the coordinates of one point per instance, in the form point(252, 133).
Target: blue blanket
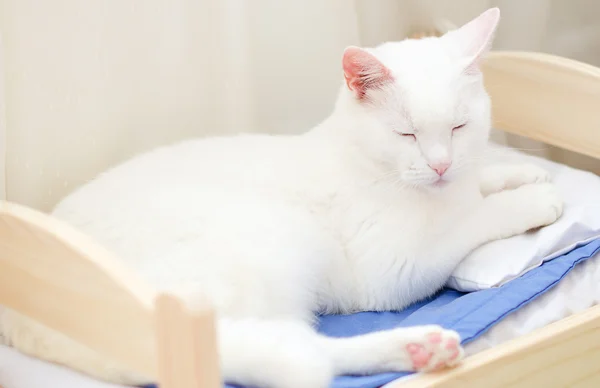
point(470, 314)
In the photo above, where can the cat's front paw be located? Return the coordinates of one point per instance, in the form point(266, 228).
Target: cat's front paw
point(525, 208)
point(496, 178)
point(542, 204)
point(528, 173)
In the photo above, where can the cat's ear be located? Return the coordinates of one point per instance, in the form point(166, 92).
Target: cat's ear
point(363, 71)
point(475, 38)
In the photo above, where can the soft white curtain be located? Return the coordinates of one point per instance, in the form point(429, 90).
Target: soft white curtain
point(89, 83)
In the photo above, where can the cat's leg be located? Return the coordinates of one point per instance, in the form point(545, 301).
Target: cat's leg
point(502, 215)
point(498, 177)
point(420, 348)
point(291, 354)
point(512, 212)
point(273, 354)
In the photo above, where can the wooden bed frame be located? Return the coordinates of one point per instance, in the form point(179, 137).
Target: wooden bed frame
point(542, 97)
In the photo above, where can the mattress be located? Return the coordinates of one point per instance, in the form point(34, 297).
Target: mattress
point(563, 286)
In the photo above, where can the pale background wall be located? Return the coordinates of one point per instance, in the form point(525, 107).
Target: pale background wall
point(89, 83)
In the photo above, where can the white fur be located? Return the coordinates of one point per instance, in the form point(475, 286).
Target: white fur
point(347, 217)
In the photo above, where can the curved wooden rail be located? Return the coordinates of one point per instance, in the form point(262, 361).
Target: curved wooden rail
point(547, 98)
point(58, 276)
point(61, 278)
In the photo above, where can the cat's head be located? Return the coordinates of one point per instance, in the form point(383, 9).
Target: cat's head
point(421, 104)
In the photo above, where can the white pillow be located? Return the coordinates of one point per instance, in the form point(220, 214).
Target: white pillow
point(500, 261)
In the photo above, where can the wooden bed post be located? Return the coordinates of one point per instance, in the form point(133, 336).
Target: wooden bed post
point(186, 345)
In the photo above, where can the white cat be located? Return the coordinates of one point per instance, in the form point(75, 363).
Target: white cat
point(370, 210)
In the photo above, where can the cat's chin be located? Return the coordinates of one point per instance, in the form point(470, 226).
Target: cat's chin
point(439, 185)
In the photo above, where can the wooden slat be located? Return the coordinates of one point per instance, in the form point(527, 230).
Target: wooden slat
point(547, 98)
point(59, 277)
point(187, 346)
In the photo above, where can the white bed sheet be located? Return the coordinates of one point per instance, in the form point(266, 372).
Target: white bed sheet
point(579, 290)
point(20, 371)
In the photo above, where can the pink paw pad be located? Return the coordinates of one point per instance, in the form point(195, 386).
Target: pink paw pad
point(419, 355)
point(452, 344)
point(435, 338)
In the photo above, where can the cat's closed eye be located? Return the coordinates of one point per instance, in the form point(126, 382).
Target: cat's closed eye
point(410, 135)
point(458, 127)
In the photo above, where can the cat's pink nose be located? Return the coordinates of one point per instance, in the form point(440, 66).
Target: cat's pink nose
point(440, 167)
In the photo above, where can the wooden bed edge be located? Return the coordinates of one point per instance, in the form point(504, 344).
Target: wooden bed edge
point(43, 261)
point(523, 85)
point(565, 353)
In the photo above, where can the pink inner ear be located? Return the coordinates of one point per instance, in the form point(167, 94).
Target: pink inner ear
point(363, 71)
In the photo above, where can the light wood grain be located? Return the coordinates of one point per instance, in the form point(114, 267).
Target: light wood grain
point(57, 276)
point(547, 98)
point(563, 354)
point(186, 345)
